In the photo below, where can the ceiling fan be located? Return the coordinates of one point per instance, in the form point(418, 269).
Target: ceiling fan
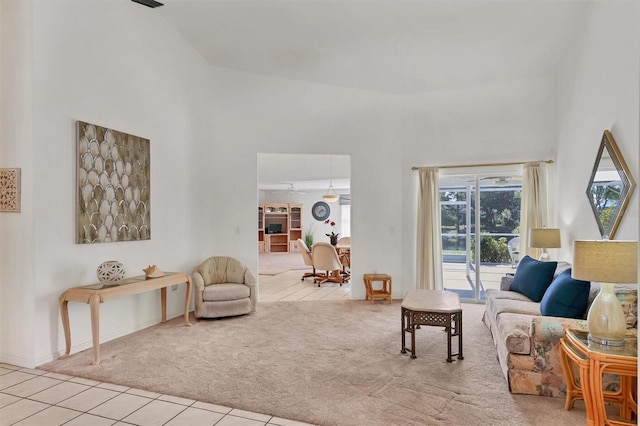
point(503, 180)
point(500, 180)
point(291, 190)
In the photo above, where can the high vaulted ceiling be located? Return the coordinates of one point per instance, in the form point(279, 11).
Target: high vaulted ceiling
point(392, 46)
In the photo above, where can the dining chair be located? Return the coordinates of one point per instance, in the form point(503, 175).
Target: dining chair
point(344, 253)
point(325, 258)
point(308, 260)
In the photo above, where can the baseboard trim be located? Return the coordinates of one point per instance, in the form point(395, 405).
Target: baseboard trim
point(81, 346)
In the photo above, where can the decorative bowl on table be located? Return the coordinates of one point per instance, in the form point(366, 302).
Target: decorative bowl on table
point(110, 271)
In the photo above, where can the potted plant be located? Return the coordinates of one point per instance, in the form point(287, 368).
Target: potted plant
point(308, 237)
point(333, 236)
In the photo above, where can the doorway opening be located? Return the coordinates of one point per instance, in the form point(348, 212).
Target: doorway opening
point(291, 207)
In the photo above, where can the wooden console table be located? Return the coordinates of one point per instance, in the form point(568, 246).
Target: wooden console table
point(95, 294)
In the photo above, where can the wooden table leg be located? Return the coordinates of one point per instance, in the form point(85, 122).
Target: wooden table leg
point(64, 313)
point(367, 290)
point(596, 395)
point(94, 303)
point(448, 328)
point(390, 290)
point(412, 327)
point(459, 331)
point(404, 330)
point(163, 303)
point(187, 301)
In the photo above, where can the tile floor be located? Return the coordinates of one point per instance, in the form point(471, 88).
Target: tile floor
point(289, 287)
point(37, 397)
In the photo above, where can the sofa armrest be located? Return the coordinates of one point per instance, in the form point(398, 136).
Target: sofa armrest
point(505, 282)
point(547, 331)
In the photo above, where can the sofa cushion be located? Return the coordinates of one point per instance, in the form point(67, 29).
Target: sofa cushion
point(533, 277)
point(498, 306)
point(493, 293)
point(560, 268)
point(221, 269)
point(225, 291)
point(566, 297)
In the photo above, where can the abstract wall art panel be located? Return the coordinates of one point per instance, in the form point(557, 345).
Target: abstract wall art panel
point(114, 186)
point(10, 190)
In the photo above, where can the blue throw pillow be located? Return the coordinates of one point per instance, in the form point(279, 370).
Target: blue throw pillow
point(533, 277)
point(566, 297)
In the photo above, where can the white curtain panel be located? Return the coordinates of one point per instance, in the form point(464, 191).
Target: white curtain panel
point(429, 250)
point(533, 211)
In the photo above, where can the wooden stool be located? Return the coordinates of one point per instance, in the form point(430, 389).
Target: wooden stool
point(384, 292)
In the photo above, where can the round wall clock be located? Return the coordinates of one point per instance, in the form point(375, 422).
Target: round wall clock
point(320, 210)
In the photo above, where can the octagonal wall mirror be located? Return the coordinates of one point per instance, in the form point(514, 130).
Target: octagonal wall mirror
point(610, 187)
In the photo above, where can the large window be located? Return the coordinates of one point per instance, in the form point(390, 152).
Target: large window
point(497, 204)
point(345, 220)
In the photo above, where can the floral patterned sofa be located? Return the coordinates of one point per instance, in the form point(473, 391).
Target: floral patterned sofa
point(527, 342)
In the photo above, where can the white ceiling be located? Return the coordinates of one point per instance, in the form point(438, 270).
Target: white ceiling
point(304, 172)
point(390, 46)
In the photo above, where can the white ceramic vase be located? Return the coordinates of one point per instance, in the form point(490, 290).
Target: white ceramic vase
point(111, 270)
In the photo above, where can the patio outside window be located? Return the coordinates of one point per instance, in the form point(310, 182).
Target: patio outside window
point(498, 204)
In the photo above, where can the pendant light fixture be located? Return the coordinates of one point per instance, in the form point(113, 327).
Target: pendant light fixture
point(330, 196)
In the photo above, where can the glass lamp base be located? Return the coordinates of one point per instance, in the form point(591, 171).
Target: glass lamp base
point(606, 321)
point(544, 256)
point(605, 342)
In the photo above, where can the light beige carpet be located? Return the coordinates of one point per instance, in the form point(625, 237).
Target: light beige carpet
point(327, 363)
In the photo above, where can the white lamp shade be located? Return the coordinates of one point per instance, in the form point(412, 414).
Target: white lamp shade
point(606, 261)
point(544, 237)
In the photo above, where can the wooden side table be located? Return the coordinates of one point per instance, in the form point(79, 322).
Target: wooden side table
point(383, 293)
point(589, 361)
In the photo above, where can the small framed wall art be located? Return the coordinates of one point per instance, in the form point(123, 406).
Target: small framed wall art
point(10, 190)
point(114, 185)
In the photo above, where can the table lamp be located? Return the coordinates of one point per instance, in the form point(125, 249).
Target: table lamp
point(607, 262)
point(544, 238)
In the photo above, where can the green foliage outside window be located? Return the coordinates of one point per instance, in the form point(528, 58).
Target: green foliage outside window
point(492, 250)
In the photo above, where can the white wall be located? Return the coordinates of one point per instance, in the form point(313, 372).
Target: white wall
point(598, 88)
point(17, 235)
point(253, 113)
point(384, 134)
point(115, 64)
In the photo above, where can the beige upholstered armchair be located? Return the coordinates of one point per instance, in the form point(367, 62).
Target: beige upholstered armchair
point(224, 287)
